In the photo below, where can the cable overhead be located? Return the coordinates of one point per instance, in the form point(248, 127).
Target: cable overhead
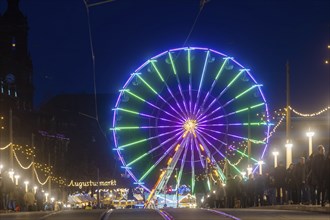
point(201, 6)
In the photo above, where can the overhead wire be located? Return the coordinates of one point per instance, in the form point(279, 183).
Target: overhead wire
point(202, 4)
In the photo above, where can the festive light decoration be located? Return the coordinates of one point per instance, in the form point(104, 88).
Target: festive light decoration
point(310, 114)
point(188, 104)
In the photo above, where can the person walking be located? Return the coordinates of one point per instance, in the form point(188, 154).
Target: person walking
point(327, 176)
point(279, 180)
point(29, 199)
point(300, 177)
point(318, 164)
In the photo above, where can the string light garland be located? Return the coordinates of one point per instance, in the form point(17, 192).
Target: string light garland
point(310, 114)
point(41, 183)
point(5, 147)
point(19, 162)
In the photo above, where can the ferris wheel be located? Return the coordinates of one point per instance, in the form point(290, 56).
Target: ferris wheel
point(184, 110)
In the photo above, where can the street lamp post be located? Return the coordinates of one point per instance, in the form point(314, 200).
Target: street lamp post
point(11, 174)
point(275, 153)
point(1, 167)
point(26, 185)
point(35, 189)
point(310, 135)
point(260, 163)
point(16, 179)
point(249, 170)
point(288, 146)
point(46, 195)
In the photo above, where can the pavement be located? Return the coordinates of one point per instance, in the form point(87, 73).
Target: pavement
point(309, 208)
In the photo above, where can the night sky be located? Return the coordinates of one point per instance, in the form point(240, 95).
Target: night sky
point(260, 34)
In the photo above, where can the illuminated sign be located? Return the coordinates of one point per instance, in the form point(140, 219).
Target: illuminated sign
point(92, 183)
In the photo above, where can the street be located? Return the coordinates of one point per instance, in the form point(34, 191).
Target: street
point(169, 213)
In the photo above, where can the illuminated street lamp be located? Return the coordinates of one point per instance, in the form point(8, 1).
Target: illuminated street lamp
point(16, 179)
point(249, 170)
point(1, 167)
point(11, 174)
point(275, 153)
point(35, 189)
point(288, 154)
point(26, 185)
point(46, 195)
point(310, 135)
point(260, 163)
point(52, 199)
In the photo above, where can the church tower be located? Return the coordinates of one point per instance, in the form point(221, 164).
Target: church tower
point(16, 71)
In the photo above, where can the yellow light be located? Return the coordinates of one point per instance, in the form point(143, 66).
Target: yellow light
point(169, 160)
point(202, 148)
point(190, 125)
point(326, 62)
point(177, 148)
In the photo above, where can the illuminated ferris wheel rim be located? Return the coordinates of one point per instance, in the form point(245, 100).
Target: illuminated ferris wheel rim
point(188, 124)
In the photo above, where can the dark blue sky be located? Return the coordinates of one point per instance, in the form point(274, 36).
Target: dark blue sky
point(260, 34)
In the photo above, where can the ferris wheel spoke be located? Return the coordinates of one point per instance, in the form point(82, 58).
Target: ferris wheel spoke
point(213, 84)
point(235, 136)
point(168, 88)
point(226, 115)
point(179, 84)
point(209, 155)
point(171, 164)
point(143, 114)
point(215, 139)
point(143, 127)
point(182, 166)
point(199, 148)
point(146, 139)
point(152, 105)
point(154, 91)
point(160, 159)
point(236, 97)
point(225, 89)
point(153, 149)
point(221, 154)
point(192, 162)
point(201, 81)
point(235, 124)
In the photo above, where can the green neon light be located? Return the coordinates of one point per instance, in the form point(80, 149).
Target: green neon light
point(221, 68)
point(245, 91)
point(160, 75)
point(146, 173)
point(240, 72)
point(254, 106)
point(189, 63)
point(247, 156)
point(147, 84)
point(137, 159)
point(239, 171)
point(242, 110)
point(123, 128)
point(136, 96)
point(245, 109)
point(173, 67)
point(255, 123)
point(126, 110)
point(133, 143)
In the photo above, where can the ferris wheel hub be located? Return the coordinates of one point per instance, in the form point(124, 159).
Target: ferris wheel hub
point(190, 125)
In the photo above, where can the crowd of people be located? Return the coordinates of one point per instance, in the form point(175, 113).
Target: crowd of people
point(16, 198)
point(305, 182)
